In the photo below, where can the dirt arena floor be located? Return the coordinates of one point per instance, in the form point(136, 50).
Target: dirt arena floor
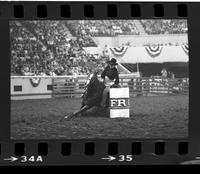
point(156, 117)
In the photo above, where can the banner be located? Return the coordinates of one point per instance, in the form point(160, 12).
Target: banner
point(35, 81)
point(185, 48)
point(141, 55)
point(119, 51)
point(154, 50)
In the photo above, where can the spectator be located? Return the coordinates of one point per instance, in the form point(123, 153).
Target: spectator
point(164, 72)
point(172, 75)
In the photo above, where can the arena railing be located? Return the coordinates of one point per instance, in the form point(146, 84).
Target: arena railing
point(74, 86)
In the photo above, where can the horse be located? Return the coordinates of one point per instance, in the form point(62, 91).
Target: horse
point(91, 98)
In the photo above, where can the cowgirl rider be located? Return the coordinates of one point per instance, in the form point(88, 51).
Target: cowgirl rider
point(110, 76)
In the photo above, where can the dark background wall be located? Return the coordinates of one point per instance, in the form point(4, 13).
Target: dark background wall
point(179, 69)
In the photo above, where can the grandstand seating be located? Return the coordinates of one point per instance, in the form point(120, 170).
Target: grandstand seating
point(164, 26)
point(46, 47)
point(43, 47)
point(103, 27)
point(25, 49)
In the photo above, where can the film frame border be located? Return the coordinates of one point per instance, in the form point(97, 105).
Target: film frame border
point(144, 11)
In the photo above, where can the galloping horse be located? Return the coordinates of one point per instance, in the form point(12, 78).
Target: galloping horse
point(92, 95)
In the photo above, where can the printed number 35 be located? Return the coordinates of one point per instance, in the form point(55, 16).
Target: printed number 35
point(125, 158)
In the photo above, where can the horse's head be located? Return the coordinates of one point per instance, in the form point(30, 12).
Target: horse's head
point(93, 77)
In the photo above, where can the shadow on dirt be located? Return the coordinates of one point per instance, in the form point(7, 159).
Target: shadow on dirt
point(97, 112)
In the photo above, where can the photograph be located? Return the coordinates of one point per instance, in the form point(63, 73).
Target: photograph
point(99, 79)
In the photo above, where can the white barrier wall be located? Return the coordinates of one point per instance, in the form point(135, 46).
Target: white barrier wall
point(153, 39)
point(140, 55)
point(21, 88)
point(140, 40)
point(119, 102)
point(167, 54)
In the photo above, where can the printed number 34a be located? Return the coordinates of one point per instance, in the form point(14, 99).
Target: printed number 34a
point(125, 158)
point(31, 159)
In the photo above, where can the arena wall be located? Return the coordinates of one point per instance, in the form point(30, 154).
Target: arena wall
point(21, 88)
point(69, 86)
point(140, 40)
point(140, 55)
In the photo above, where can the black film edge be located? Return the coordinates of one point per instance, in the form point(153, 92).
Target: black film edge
point(51, 117)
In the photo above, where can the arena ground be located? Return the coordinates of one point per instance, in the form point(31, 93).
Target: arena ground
point(151, 117)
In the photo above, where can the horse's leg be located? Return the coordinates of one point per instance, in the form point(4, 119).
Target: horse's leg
point(84, 108)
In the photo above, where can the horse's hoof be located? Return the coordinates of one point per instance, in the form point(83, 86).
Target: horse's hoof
point(69, 116)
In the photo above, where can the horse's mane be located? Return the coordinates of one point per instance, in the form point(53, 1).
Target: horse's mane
point(92, 77)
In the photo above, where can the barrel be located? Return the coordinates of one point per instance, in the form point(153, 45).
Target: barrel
point(119, 102)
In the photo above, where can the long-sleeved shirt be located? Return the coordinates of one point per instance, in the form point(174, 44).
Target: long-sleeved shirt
point(111, 73)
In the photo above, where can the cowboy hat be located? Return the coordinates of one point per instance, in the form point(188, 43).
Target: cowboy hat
point(113, 61)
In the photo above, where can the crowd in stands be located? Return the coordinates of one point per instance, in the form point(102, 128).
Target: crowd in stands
point(99, 28)
point(25, 49)
point(164, 26)
point(59, 55)
point(57, 47)
point(85, 39)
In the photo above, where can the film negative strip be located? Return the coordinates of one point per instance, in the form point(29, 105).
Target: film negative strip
point(98, 83)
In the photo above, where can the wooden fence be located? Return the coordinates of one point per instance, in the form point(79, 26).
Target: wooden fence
point(74, 87)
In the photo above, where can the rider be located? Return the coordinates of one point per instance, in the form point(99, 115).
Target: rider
point(110, 76)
